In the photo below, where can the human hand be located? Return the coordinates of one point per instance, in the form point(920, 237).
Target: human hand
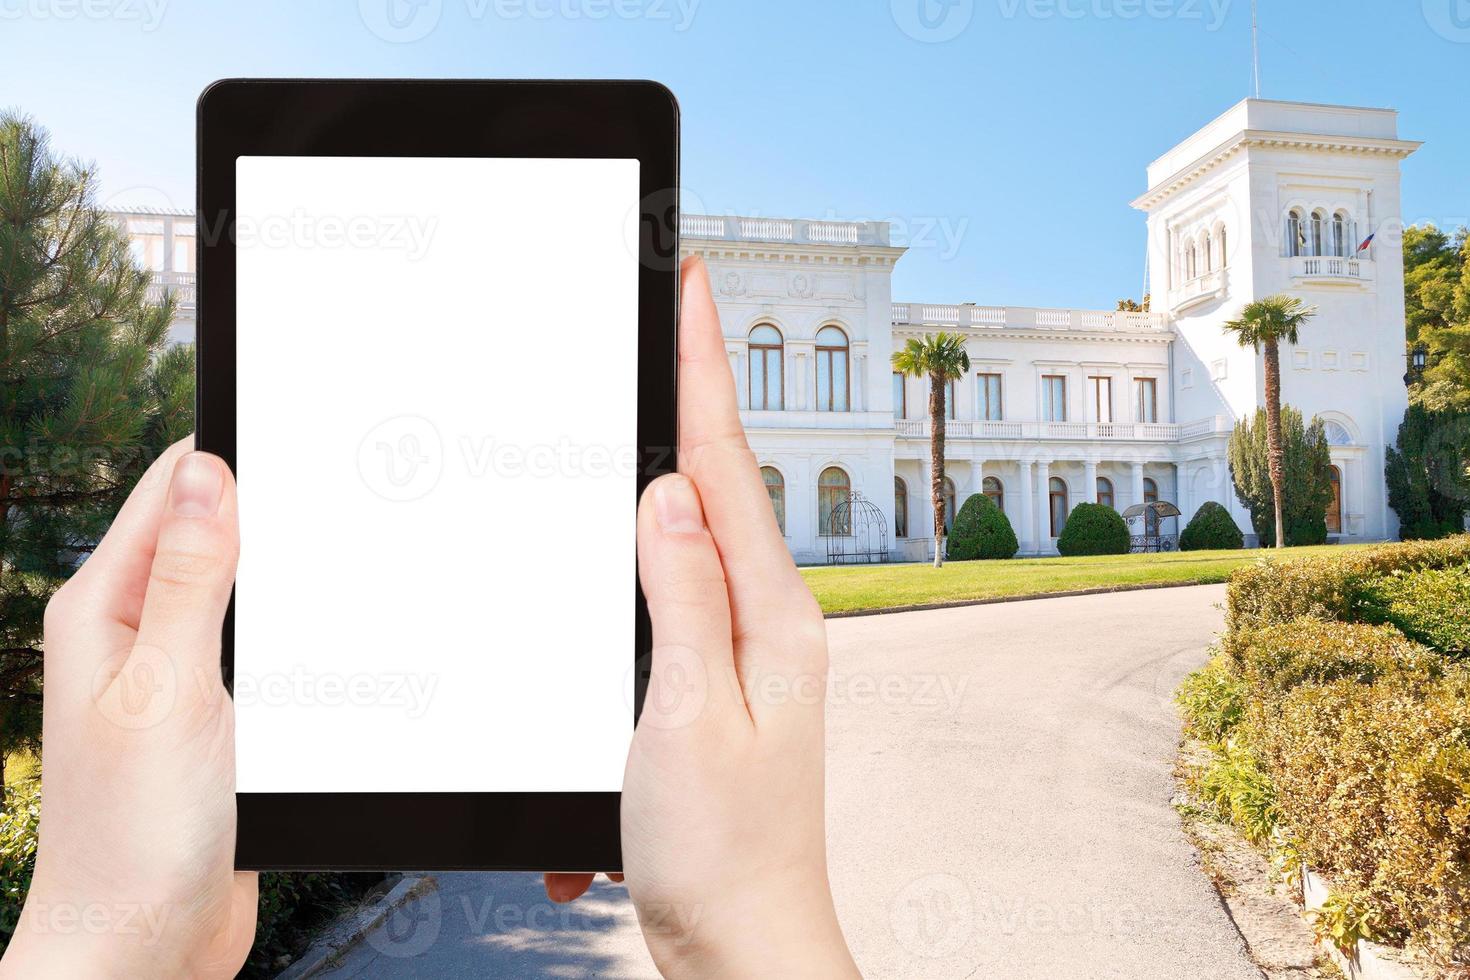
point(724, 839)
point(134, 869)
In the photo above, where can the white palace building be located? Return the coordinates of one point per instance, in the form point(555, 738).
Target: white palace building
point(1062, 406)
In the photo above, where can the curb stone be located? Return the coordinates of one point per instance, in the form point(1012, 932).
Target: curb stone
point(996, 600)
point(352, 930)
point(1370, 961)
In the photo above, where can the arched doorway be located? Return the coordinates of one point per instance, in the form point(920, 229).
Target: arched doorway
point(1334, 508)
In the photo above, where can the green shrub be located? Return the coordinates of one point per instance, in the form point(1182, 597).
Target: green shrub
point(1212, 700)
point(1329, 586)
point(1431, 605)
point(1364, 733)
point(293, 906)
point(1307, 483)
point(1373, 781)
point(1301, 532)
point(18, 822)
point(1240, 791)
point(1275, 660)
point(981, 530)
point(1212, 528)
point(1094, 529)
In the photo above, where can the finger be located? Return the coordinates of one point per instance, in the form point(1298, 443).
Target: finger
point(615, 876)
point(765, 589)
point(684, 583)
point(108, 589)
point(193, 566)
point(561, 887)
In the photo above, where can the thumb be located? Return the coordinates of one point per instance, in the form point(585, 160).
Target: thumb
point(193, 568)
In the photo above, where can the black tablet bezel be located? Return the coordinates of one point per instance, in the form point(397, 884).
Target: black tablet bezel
point(439, 118)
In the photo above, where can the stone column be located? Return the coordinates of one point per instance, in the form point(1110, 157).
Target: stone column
point(977, 477)
point(1043, 506)
point(742, 391)
point(925, 510)
point(168, 243)
point(1089, 481)
point(1025, 525)
point(1135, 494)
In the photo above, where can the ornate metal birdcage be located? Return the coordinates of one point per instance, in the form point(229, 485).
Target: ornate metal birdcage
point(857, 533)
point(1146, 526)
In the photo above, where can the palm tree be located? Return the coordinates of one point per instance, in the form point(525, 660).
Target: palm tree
point(1263, 325)
point(942, 358)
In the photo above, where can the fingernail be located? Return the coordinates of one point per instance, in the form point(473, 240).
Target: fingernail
point(676, 506)
point(197, 486)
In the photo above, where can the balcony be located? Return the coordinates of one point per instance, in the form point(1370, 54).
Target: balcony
point(1200, 289)
point(179, 285)
point(1025, 318)
point(1331, 270)
point(1067, 431)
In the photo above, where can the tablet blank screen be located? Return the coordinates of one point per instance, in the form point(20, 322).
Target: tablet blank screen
point(436, 400)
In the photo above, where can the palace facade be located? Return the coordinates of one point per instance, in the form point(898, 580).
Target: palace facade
point(1060, 405)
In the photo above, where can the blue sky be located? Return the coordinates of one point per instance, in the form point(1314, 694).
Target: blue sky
point(1005, 136)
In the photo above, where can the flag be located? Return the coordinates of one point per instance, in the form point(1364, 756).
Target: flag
point(1367, 241)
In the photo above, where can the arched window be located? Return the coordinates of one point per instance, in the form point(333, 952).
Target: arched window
point(832, 381)
point(1334, 509)
point(1150, 495)
point(1336, 433)
point(767, 371)
point(1105, 492)
point(900, 508)
point(996, 491)
point(949, 505)
point(1340, 235)
point(1296, 233)
point(1209, 252)
point(1319, 233)
point(1191, 262)
point(776, 488)
point(833, 488)
point(1057, 493)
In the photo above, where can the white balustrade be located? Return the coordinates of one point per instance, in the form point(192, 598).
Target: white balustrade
point(943, 315)
point(1069, 431)
point(1330, 267)
point(179, 285)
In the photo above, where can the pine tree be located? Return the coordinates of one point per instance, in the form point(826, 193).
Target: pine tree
point(88, 395)
point(1428, 473)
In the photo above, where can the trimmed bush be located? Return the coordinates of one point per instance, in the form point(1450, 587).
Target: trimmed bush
point(1211, 529)
point(1359, 730)
point(1431, 605)
point(1094, 529)
point(1278, 659)
point(981, 530)
point(1327, 587)
point(1373, 782)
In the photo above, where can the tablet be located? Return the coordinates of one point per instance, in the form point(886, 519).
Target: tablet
point(437, 347)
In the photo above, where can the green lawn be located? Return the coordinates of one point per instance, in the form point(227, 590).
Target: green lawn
point(869, 587)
